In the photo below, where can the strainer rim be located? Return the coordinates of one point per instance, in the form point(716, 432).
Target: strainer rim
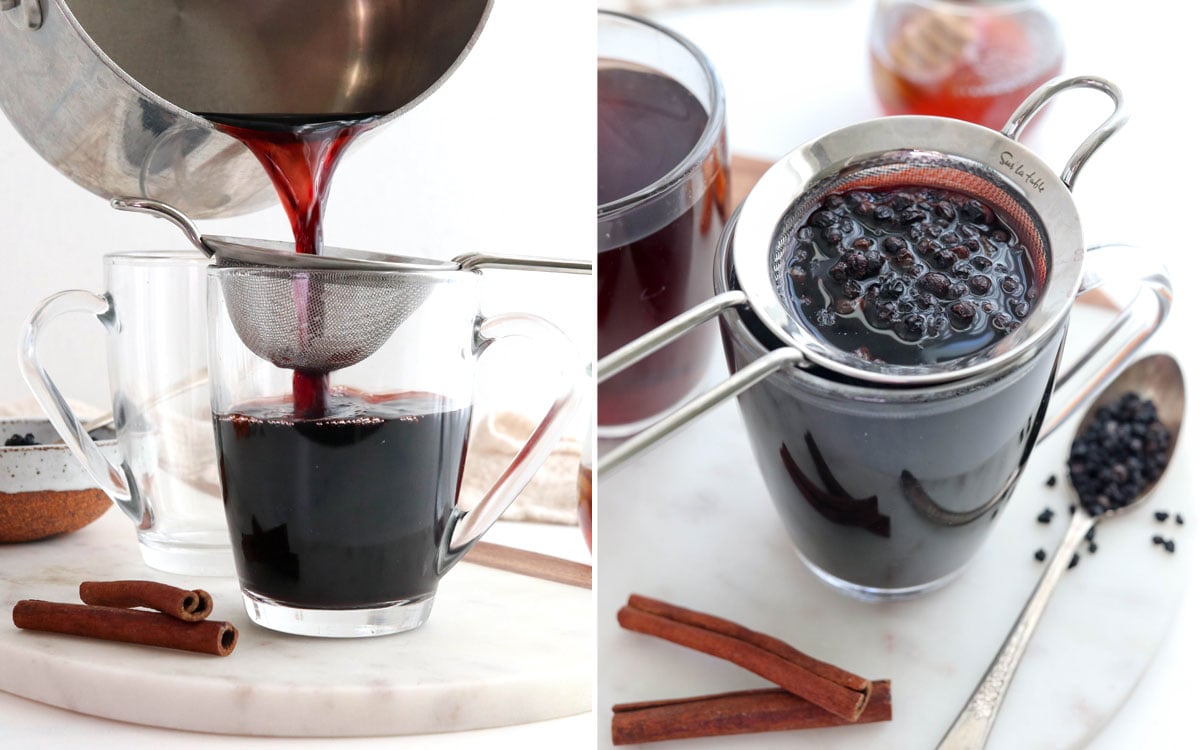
point(775, 194)
point(440, 274)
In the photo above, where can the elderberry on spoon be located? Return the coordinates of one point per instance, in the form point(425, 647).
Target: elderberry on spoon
point(1133, 424)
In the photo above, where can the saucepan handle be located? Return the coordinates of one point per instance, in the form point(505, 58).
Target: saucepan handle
point(1042, 96)
point(1135, 275)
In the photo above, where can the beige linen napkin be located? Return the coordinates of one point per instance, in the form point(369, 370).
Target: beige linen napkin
point(27, 408)
point(551, 497)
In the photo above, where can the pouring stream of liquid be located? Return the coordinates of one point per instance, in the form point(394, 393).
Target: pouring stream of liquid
point(300, 156)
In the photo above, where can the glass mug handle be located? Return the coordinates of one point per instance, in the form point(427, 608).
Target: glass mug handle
point(112, 479)
point(1148, 304)
point(467, 527)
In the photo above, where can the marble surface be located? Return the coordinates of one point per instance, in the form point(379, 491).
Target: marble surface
point(499, 649)
point(690, 522)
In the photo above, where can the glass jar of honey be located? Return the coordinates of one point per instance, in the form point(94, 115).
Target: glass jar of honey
point(973, 60)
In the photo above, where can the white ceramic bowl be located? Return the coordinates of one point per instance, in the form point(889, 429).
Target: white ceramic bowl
point(44, 490)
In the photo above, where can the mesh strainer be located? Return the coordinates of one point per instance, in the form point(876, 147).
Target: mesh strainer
point(320, 313)
point(890, 152)
point(319, 321)
point(895, 169)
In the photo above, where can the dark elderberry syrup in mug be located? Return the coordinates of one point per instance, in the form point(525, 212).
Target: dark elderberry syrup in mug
point(648, 125)
point(345, 510)
point(300, 153)
point(887, 498)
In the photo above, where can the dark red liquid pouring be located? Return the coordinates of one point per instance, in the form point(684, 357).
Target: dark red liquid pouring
point(300, 153)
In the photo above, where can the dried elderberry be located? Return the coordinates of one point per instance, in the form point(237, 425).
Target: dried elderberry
point(1127, 434)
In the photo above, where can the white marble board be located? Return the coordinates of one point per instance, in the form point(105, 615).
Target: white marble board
point(499, 649)
point(690, 522)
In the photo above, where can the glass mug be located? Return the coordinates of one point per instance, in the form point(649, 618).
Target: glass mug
point(889, 492)
point(343, 521)
point(663, 193)
point(154, 312)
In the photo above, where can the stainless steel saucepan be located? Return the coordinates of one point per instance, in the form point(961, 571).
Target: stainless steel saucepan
point(106, 92)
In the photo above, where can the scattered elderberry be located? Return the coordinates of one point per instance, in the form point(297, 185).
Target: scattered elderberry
point(1161, 515)
point(1157, 539)
point(1092, 547)
point(1052, 480)
point(1169, 546)
point(1074, 561)
point(1040, 555)
point(1045, 516)
point(1179, 519)
point(19, 440)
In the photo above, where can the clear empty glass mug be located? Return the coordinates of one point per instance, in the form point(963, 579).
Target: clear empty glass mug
point(887, 477)
point(342, 402)
point(153, 309)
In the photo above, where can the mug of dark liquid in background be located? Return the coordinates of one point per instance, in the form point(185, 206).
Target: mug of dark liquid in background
point(341, 496)
point(663, 193)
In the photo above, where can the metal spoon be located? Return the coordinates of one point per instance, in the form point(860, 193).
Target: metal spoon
point(1156, 378)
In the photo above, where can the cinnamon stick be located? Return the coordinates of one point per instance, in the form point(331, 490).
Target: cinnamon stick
point(126, 625)
point(743, 712)
point(533, 564)
point(833, 689)
point(182, 604)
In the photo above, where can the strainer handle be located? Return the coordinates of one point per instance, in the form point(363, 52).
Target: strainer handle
point(740, 381)
point(1149, 302)
point(468, 527)
point(480, 261)
point(650, 342)
point(643, 346)
point(1047, 91)
point(112, 479)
